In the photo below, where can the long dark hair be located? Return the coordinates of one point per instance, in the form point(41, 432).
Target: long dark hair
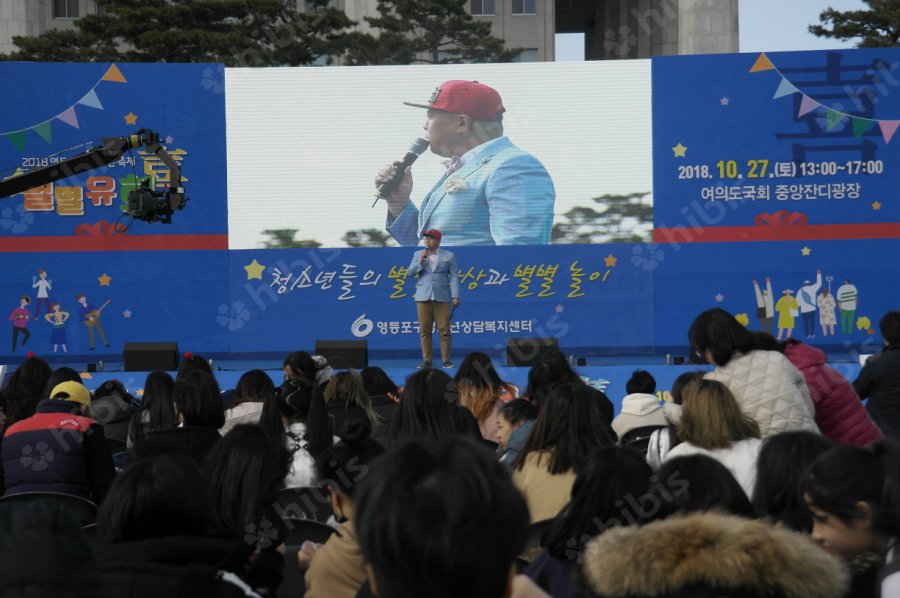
point(302, 364)
point(377, 382)
point(156, 498)
point(600, 500)
point(570, 424)
point(430, 406)
point(783, 460)
point(254, 386)
point(199, 400)
point(695, 483)
point(159, 402)
point(845, 475)
point(246, 469)
point(551, 369)
point(344, 465)
point(298, 400)
point(716, 331)
point(24, 389)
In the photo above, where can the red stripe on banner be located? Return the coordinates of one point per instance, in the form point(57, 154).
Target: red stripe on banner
point(113, 243)
point(804, 232)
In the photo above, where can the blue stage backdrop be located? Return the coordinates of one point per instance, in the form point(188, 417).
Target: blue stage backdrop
point(773, 180)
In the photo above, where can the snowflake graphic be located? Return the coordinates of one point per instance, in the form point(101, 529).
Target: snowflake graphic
point(214, 79)
point(234, 317)
point(263, 535)
point(37, 458)
point(619, 43)
point(647, 257)
point(16, 220)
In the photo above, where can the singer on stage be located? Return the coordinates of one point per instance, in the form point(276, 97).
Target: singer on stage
point(493, 193)
point(436, 287)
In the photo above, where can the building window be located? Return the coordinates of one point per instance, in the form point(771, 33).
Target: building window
point(524, 7)
point(65, 9)
point(482, 8)
point(527, 55)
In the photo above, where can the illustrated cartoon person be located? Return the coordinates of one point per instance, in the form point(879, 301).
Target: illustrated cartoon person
point(827, 319)
point(787, 308)
point(19, 317)
point(847, 298)
point(765, 306)
point(90, 315)
point(806, 297)
point(57, 317)
point(43, 286)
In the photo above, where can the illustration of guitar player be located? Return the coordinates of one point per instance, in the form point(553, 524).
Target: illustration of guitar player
point(90, 315)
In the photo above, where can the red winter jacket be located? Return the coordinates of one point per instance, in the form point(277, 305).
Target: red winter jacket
point(840, 413)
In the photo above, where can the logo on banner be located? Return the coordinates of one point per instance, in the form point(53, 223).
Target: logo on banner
point(362, 327)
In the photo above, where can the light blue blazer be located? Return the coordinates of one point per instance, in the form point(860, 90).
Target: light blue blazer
point(443, 280)
point(500, 196)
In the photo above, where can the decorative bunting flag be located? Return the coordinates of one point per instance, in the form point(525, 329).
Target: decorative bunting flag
point(762, 64)
point(832, 118)
point(887, 128)
point(17, 139)
point(115, 75)
point(785, 88)
point(90, 99)
point(861, 125)
point(807, 105)
point(69, 117)
point(44, 131)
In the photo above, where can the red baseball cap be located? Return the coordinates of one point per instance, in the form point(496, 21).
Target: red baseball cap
point(466, 97)
point(432, 232)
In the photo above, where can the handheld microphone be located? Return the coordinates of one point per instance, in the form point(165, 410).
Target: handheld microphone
point(412, 154)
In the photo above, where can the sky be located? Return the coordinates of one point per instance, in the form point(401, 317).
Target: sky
point(765, 26)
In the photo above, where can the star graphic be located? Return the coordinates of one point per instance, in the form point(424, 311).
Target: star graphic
point(610, 261)
point(679, 150)
point(724, 101)
point(876, 205)
point(169, 140)
point(131, 118)
point(720, 298)
point(254, 270)
point(139, 392)
point(806, 251)
point(126, 313)
point(104, 280)
point(559, 309)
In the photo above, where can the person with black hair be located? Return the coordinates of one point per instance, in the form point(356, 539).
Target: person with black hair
point(384, 396)
point(879, 379)
point(780, 470)
point(296, 417)
point(60, 375)
point(612, 479)
point(768, 388)
point(664, 440)
point(192, 362)
point(430, 407)
point(481, 391)
point(299, 364)
point(570, 426)
point(840, 414)
point(152, 535)
point(25, 388)
point(514, 424)
point(694, 483)
point(347, 402)
point(157, 409)
point(553, 368)
point(59, 449)
point(113, 406)
point(246, 470)
point(640, 407)
point(253, 390)
point(200, 413)
point(336, 569)
point(853, 494)
point(440, 518)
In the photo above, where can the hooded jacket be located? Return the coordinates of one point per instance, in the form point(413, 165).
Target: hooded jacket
point(710, 555)
point(638, 410)
point(770, 390)
point(839, 411)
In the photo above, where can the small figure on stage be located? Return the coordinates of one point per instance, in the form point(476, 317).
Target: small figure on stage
point(437, 286)
point(91, 318)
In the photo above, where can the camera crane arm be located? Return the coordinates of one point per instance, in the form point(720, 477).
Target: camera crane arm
point(112, 149)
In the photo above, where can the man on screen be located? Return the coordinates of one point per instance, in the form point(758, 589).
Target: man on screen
point(493, 193)
point(437, 285)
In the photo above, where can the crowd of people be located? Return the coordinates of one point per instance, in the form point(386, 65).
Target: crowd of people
point(765, 474)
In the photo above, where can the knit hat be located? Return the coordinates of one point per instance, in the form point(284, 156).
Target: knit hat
point(77, 392)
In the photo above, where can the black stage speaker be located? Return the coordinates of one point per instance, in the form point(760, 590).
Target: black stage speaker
point(148, 357)
point(342, 355)
point(528, 351)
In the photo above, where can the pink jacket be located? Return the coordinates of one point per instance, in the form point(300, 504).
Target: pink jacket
point(840, 413)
